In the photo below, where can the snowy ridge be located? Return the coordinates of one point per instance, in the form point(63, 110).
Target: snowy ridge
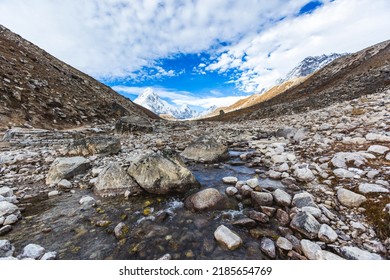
point(150, 100)
point(309, 65)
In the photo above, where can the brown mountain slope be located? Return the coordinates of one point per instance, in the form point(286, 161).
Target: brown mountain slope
point(346, 78)
point(40, 90)
point(259, 97)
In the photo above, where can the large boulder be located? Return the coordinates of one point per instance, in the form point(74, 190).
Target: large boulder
point(206, 149)
point(66, 168)
point(131, 124)
point(114, 180)
point(208, 199)
point(104, 145)
point(161, 174)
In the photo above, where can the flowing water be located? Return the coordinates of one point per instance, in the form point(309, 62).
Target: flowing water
point(157, 225)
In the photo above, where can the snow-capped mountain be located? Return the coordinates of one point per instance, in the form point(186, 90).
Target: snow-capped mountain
point(207, 111)
point(309, 65)
point(150, 100)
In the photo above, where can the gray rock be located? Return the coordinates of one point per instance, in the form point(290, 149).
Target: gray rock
point(253, 183)
point(354, 253)
point(245, 190)
point(49, 256)
point(133, 124)
point(303, 199)
point(377, 137)
point(104, 145)
point(329, 256)
point(279, 158)
point(206, 149)
point(2, 219)
point(7, 208)
point(268, 247)
point(306, 224)
point(6, 192)
point(245, 222)
point(228, 238)
point(314, 211)
point(262, 199)
point(208, 199)
point(87, 201)
point(66, 168)
point(284, 244)
point(300, 134)
point(304, 174)
point(372, 188)
point(5, 229)
point(282, 198)
point(230, 180)
point(113, 180)
point(349, 198)
point(121, 231)
point(343, 173)
point(231, 191)
point(327, 234)
point(378, 149)
point(286, 132)
point(53, 193)
point(282, 217)
point(327, 212)
point(10, 220)
point(258, 216)
point(341, 159)
point(387, 156)
point(6, 249)
point(310, 249)
point(32, 251)
point(160, 174)
point(64, 184)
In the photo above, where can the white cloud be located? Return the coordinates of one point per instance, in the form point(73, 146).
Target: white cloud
point(183, 97)
point(116, 38)
point(339, 26)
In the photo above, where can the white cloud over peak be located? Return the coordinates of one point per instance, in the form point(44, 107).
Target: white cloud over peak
point(339, 26)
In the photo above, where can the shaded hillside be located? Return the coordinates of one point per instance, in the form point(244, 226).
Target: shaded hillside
point(42, 91)
point(346, 78)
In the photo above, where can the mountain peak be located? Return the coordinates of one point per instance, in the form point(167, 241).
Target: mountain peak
point(152, 101)
point(309, 65)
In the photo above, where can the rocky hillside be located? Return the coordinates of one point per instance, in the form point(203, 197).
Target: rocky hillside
point(258, 97)
point(39, 90)
point(346, 78)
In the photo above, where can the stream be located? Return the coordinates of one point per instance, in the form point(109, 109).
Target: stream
point(157, 225)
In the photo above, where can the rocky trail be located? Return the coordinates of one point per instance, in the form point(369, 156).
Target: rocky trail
point(313, 185)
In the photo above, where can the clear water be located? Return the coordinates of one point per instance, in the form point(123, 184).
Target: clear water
point(157, 225)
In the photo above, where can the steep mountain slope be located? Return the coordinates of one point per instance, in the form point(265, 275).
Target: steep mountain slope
point(346, 78)
point(258, 97)
point(42, 91)
point(150, 100)
point(297, 75)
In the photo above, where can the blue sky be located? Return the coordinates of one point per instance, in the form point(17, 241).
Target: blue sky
point(199, 52)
